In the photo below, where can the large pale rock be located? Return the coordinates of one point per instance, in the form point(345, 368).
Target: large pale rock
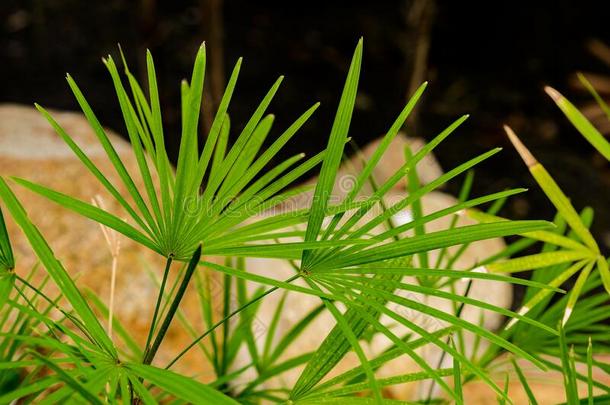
point(394, 157)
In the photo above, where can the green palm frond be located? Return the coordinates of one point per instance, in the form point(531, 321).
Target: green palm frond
point(171, 215)
point(582, 252)
point(580, 122)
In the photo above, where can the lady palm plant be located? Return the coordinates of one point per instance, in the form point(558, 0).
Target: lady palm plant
point(208, 206)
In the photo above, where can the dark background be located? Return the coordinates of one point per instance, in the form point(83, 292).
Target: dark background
point(489, 59)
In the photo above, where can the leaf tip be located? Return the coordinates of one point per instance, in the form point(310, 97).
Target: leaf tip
point(16, 179)
point(566, 316)
point(123, 59)
point(525, 154)
point(554, 94)
point(480, 269)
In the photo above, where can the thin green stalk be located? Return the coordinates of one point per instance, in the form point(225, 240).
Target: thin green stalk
point(226, 318)
point(153, 323)
point(150, 354)
point(225, 332)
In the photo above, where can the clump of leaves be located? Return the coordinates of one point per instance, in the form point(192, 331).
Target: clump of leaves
point(209, 206)
point(570, 256)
